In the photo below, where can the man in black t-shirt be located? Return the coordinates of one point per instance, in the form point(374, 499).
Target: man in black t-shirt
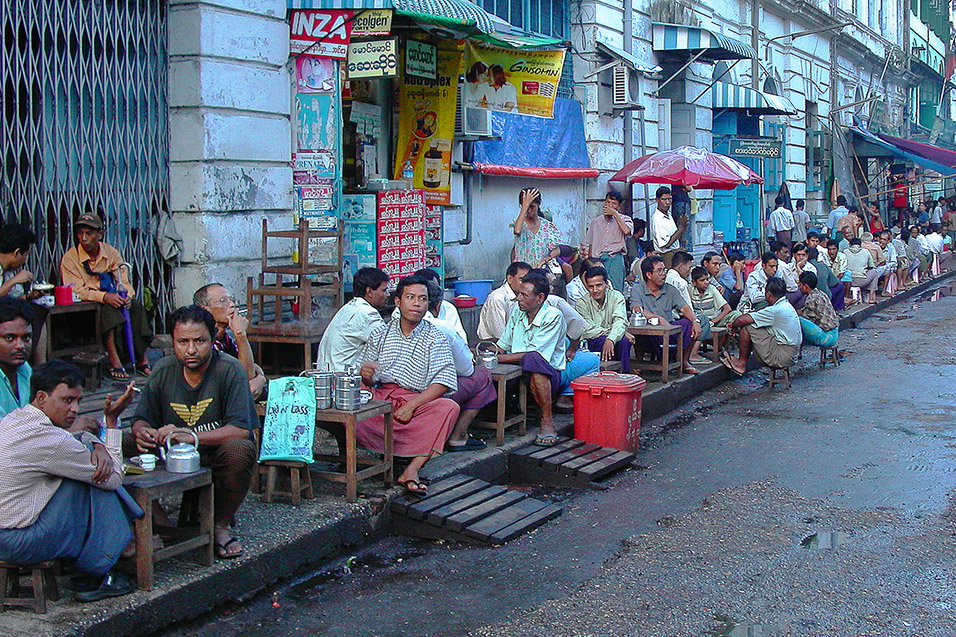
point(206, 392)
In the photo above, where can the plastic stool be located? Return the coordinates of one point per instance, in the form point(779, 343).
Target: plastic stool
point(855, 295)
point(44, 585)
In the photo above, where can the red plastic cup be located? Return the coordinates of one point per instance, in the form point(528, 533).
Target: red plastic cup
point(63, 295)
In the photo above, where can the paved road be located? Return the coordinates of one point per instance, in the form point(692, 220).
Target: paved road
point(708, 537)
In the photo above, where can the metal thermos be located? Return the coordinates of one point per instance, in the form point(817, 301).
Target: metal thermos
point(347, 391)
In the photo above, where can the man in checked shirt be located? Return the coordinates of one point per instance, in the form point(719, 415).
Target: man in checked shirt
point(409, 362)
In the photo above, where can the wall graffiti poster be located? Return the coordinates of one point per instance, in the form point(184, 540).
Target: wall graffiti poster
point(426, 126)
point(359, 245)
point(315, 74)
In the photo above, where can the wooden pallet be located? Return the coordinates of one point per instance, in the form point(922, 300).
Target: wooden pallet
point(464, 508)
point(571, 463)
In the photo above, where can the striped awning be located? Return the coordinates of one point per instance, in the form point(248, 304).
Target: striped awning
point(454, 19)
point(735, 97)
point(675, 38)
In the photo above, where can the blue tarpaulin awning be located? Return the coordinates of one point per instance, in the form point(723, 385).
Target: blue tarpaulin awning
point(535, 146)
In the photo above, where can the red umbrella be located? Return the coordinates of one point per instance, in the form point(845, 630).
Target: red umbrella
point(688, 166)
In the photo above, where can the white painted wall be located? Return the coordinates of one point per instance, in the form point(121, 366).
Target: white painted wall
point(229, 136)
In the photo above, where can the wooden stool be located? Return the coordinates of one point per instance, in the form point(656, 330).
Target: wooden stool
point(829, 355)
point(784, 376)
point(299, 479)
point(716, 333)
point(500, 375)
point(44, 585)
point(91, 364)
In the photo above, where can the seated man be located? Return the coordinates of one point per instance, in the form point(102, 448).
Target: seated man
point(93, 269)
point(909, 261)
point(57, 498)
point(494, 313)
point(16, 336)
point(827, 281)
point(657, 299)
point(409, 362)
point(891, 265)
point(16, 243)
point(534, 338)
point(773, 333)
point(846, 235)
point(788, 269)
point(577, 287)
point(447, 311)
point(353, 324)
point(231, 329)
point(753, 297)
point(605, 314)
point(706, 300)
point(679, 276)
point(859, 263)
point(475, 387)
point(818, 321)
point(813, 240)
point(207, 393)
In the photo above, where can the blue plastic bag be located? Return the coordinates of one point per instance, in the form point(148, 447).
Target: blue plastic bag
point(289, 429)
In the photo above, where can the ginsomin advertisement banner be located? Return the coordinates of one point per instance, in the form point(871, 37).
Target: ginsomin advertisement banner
point(512, 81)
point(426, 126)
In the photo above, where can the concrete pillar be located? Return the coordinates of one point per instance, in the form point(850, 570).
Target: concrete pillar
point(230, 136)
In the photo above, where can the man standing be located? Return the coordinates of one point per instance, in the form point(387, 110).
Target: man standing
point(773, 333)
point(353, 324)
point(230, 337)
point(835, 215)
point(93, 268)
point(475, 387)
point(666, 233)
point(534, 338)
point(818, 320)
point(494, 313)
point(207, 393)
point(781, 222)
point(57, 499)
point(657, 299)
point(607, 238)
point(409, 362)
point(801, 222)
point(605, 313)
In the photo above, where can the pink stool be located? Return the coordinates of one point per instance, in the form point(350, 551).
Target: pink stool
point(892, 284)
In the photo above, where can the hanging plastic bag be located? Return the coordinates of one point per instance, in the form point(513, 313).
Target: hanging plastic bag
point(289, 429)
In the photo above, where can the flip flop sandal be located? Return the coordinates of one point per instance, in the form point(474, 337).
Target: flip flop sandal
point(222, 550)
point(471, 444)
point(145, 370)
point(726, 363)
point(415, 488)
point(117, 373)
point(546, 440)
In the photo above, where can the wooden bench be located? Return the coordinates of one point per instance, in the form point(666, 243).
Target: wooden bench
point(500, 375)
point(43, 580)
point(665, 365)
point(155, 485)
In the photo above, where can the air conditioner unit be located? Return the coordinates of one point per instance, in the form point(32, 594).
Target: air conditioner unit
point(621, 85)
point(471, 122)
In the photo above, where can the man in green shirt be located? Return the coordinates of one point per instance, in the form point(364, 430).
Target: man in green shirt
point(605, 314)
point(16, 339)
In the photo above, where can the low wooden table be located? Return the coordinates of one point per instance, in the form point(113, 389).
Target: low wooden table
point(159, 483)
point(500, 375)
point(666, 332)
point(325, 417)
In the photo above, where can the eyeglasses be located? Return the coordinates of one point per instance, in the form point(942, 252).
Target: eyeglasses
point(226, 301)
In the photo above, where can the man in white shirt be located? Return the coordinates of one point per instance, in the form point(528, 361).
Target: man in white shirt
point(754, 290)
point(475, 387)
point(447, 312)
point(835, 215)
point(665, 232)
point(494, 313)
point(352, 325)
point(774, 333)
point(781, 222)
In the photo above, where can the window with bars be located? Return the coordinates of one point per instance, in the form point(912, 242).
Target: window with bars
point(83, 86)
point(775, 168)
point(816, 162)
point(547, 17)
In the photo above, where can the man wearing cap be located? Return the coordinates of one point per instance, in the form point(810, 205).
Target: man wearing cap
point(92, 269)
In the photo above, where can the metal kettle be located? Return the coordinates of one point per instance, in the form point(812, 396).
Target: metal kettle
point(487, 357)
point(182, 457)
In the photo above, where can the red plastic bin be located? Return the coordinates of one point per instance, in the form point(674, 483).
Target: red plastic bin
point(607, 409)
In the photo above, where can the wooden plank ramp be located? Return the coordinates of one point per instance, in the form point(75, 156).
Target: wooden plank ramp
point(468, 509)
point(570, 463)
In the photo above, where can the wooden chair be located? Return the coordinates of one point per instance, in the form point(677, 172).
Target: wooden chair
point(43, 585)
point(779, 376)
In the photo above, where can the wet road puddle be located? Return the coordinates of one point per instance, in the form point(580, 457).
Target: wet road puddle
point(356, 564)
point(823, 540)
point(729, 627)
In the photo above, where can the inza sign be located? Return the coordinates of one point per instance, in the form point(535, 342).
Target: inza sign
point(324, 32)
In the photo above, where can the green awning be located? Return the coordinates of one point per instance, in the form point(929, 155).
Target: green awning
point(735, 97)
point(675, 38)
point(447, 18)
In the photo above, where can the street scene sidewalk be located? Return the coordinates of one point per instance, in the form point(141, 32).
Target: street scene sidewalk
point(282, 541)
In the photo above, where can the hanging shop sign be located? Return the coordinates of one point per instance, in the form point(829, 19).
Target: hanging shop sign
point(421, 59)
point(372, 23)
point(372, 58)
point(401, 233)
point(426, 114)
point(768, 148)
point(323, 32)
point(512, 81)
